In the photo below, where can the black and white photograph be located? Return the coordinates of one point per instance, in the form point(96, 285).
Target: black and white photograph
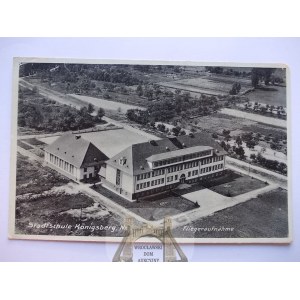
point(97, 143)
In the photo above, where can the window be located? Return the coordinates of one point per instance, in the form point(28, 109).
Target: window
point(170, 178)
point(189, 174)
point(118, 177)
point(162, 180)
point(176, 177)
point(137, 186)
point(84, 169)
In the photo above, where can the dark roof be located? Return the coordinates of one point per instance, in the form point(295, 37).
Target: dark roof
point(136, 155)
point(76, 151)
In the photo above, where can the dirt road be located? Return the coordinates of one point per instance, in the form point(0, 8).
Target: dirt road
point(254, 117)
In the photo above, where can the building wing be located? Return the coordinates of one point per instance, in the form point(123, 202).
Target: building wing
point(75, 150)
point(135, 159)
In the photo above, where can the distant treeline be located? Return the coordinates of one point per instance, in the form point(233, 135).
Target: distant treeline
point(73, 73)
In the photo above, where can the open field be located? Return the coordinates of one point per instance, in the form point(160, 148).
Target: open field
point(211, 85)
point(34, 178)
point(237, 125)
point(273, 95)
point(106, 104)
point(263, 217)
point(45, 196)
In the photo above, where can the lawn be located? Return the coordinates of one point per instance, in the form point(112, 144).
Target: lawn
point(166, 205)
point(233, 184)
point(263, 217)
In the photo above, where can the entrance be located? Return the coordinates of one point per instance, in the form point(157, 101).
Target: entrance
point(182, 178)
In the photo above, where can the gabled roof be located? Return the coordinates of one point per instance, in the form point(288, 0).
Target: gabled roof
point(75, 150)
point(137, 154)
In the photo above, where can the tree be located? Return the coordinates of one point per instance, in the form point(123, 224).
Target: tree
point(161, 127)
point(258, 74)
point(240, 151)
point(100, 113)
point(139, 90)
point(251, 144)
point(253, 156)
point(235, 89)
point(239, 141)
point(176, 130)
point(90, 108)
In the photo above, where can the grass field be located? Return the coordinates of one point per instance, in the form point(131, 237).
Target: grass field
point(263, 217)
point(217, 122)
point(233, 185)
point(230, 184)
point(211, 85)
point(273, 95)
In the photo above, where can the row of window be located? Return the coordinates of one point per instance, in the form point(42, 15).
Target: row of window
point(178, 168)
point(144, 185)
point(181, 158)
point(212, 168)
point(148, 175)
point(61, 164)
point(175, 177)
point(210, 160)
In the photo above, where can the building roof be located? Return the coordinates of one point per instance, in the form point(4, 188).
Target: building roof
point(177, 153)
point(76, 151)
point(134, 158)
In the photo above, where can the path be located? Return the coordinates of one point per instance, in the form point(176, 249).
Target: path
point(106, 104)
point(254, 117)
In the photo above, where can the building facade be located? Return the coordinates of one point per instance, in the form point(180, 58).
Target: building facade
point(75, 157)
point(150, 168)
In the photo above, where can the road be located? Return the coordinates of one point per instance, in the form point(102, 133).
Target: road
point(53, 95)
point(254, 117)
